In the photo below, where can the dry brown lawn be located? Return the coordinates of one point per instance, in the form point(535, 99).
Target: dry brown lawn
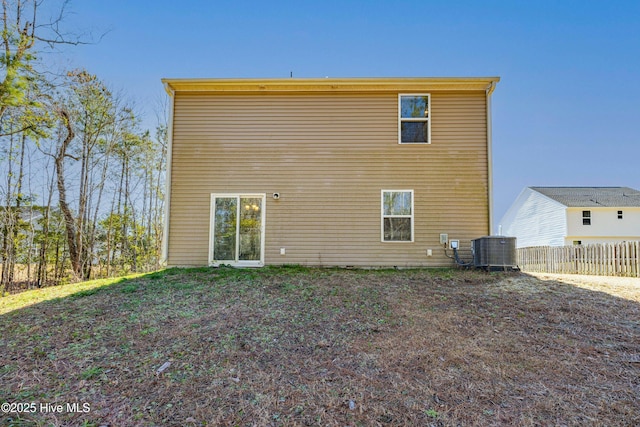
point(330, 347)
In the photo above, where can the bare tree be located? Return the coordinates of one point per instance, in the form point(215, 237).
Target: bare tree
point(24, 34)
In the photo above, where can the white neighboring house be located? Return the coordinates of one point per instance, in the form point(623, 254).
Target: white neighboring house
point(559, 216)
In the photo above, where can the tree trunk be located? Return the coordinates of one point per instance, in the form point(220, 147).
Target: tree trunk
point(18, 217)
point(9, 225)
point(44, 245)
point(72, 234)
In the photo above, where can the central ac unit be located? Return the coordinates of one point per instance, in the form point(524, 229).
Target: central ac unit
point(494, 252)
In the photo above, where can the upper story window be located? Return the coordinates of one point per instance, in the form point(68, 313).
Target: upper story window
point(586, 217)
point(397, 215)
point(619, 214)
point(414, 124)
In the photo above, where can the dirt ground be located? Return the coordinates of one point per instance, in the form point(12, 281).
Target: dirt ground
point(624, 287)
point(328, 347)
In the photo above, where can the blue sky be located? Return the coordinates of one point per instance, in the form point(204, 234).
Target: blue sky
point(566, 112)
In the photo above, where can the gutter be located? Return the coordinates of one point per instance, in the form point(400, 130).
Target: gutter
point(167, 207)
point(490, 88)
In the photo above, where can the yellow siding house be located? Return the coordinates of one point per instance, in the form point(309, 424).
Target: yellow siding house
point(363, 172)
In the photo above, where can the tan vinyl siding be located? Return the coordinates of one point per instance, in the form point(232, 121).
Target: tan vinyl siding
point(329, 156)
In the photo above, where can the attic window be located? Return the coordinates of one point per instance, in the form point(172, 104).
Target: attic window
point(586, 217)
point(619, 214)
point(414, 124)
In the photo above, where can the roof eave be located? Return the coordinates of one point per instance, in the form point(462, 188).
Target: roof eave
point(336, 85)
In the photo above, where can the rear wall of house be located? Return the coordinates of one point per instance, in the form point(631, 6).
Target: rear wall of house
point(329, 157)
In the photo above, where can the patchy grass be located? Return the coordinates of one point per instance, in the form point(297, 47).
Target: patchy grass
point(297, 346)
point(77, 290)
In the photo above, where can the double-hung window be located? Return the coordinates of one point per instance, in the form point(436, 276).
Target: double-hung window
point(397, 215)
point(414, 123)
point(586, 217)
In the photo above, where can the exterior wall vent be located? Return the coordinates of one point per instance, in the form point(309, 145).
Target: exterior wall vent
point(494, 252)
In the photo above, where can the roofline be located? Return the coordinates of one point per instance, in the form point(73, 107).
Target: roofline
point(337, 85)
point(571, 205)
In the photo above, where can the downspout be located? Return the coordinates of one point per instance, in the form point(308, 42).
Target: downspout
point(488, 92)
point(167, 206)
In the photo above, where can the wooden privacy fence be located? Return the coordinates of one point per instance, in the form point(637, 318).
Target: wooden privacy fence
point(602, 259)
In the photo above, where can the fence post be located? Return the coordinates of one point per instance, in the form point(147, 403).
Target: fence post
point(627, 260)
point(618, 260)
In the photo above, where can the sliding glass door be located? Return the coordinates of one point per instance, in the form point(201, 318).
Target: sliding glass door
point(237, 229)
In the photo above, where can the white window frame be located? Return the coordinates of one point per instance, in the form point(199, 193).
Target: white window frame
point(414, 119)
point(212, 209)
point(383, 216)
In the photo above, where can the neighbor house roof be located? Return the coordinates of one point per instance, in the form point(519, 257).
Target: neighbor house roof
point(592, 197)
